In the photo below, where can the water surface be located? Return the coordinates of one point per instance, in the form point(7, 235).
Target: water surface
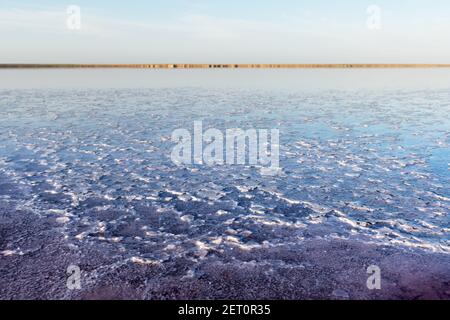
point(364, 155)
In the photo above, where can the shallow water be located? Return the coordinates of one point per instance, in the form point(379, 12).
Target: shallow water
point(371, 164)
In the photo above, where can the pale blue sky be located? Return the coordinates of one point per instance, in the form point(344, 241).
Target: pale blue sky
point(258, 31)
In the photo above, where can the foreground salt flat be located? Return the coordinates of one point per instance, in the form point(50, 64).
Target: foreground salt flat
point(86, 179)
point(312, 269)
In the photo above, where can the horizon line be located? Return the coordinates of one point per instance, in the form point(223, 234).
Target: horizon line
point(219, 66)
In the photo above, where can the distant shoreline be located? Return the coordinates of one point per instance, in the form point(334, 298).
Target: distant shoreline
point(218, 66)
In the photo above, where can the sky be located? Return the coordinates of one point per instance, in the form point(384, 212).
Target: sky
point(231, 31)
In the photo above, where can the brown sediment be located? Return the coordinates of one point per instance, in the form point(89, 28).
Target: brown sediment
point(219, 66)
